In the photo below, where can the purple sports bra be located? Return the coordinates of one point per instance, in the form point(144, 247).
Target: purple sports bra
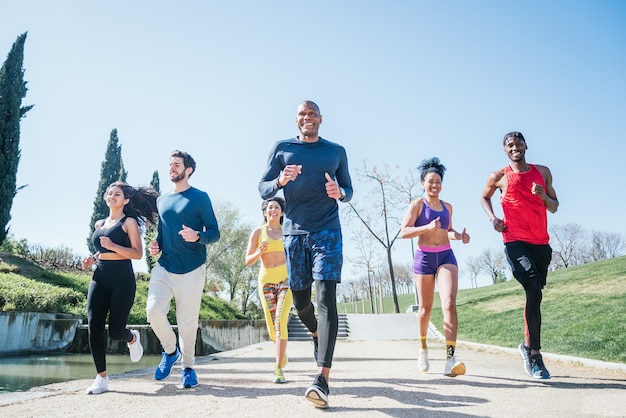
point(428, 214)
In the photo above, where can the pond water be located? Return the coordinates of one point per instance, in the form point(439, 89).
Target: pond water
point(20, 373)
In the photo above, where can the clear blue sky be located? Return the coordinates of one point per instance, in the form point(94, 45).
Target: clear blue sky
point(396, 81)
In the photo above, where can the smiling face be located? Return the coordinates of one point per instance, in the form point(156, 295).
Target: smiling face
point(273, 211)
point(515, 148)
point(114, 197)
point(308, 120)
point(432, 184)
point(178, 171)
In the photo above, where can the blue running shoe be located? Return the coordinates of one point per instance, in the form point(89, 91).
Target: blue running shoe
point(190, 380)
point(538, 368)
point(164, 369)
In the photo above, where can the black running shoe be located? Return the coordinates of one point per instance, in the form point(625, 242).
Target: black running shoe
point(318, 392)
point(539, 370)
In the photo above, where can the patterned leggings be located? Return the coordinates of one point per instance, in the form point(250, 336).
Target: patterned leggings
point(276, 300)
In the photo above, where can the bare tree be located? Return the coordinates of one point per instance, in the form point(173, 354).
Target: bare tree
point(406, 192)
point(362, 288)
point(381, 217)
point(572, 245)
point(605, 245)
point(472, 269)
point(404, 277)
point(492, 263)
point(366, 260)
point(568, 244)
point(343, 293)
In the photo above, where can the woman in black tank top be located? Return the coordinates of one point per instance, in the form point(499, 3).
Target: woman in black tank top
point(117, 240)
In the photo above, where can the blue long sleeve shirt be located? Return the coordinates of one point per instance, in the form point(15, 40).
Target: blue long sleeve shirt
point(307, 206)
point(191, 208)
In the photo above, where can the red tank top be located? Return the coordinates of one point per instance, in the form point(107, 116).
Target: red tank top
point(525, 214)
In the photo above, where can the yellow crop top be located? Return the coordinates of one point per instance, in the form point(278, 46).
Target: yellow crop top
point(273, 244)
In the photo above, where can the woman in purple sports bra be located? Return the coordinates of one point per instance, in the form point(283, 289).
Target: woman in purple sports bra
point(430, 220)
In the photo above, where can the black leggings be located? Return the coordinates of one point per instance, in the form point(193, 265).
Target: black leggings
point(529, 263)
point(328, 323)
point(111, 291)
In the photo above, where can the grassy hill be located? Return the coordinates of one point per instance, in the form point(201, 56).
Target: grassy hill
point(26, 286)
point(583, 311)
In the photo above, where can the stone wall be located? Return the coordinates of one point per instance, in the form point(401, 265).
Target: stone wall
point(230, 335)
point(213, 336)
point(32, 332)
point(35, 332)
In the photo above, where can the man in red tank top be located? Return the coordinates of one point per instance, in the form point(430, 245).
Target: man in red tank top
point(526, 194)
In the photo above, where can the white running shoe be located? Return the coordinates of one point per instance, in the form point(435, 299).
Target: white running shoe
point(422, 360)
point(454, 367)
point(135, 349)
point(99, 385)
point(525, 352)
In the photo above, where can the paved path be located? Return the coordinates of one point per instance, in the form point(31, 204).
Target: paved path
point(373, 378)
point(374, 375)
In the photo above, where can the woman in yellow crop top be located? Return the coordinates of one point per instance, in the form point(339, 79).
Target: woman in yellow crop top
point(266, 243)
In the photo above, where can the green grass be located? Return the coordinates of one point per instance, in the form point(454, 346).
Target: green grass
point(583, 312)
point(25, 286)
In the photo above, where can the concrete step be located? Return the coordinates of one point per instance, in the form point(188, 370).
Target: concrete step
point(299, 332)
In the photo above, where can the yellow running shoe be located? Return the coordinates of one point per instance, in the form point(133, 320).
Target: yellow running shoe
point(278, 375)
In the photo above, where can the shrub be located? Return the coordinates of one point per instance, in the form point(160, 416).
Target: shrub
point(13, 246)
point(22, 294)
point(8, 268)
point(27, 286)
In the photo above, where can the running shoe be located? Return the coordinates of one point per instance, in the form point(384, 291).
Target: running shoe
point(525, 352)
point(454, 367)
point(278, 375)
point(422, 360)
point(135, 349)
point(284, 363)
point(190, 380)
point(164, 369)
point(538, 369)
point(318, 392)
point(99, 385)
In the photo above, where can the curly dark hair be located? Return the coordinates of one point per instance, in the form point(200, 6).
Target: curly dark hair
point(513, 134)
point(431, 165)
point(142, 202)
point(276, 199)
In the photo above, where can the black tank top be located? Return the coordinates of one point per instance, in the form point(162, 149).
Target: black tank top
point(115, 233)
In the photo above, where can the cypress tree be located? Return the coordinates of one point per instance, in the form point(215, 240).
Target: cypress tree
point(111, 170)
point(151, 230)
point(12, 91)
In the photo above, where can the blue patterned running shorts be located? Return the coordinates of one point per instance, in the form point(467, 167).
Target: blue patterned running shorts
point(313, 256)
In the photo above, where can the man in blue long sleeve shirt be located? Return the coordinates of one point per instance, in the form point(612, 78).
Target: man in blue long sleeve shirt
point(313, 176)
point(187, 224)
